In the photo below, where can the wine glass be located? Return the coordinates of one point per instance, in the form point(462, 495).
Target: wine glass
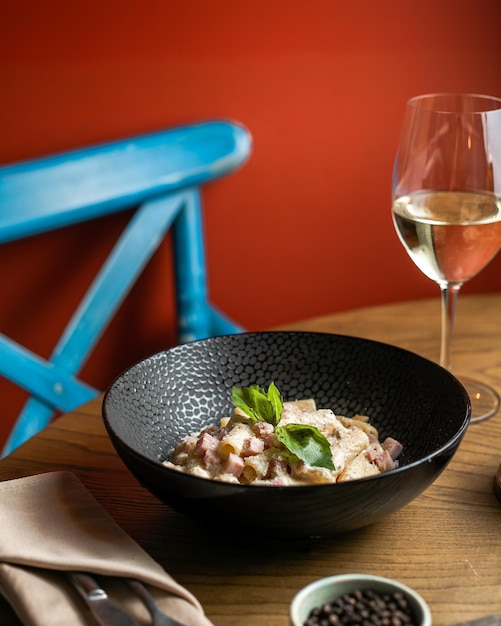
point(447, 203)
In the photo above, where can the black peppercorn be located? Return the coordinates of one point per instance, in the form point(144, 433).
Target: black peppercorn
point(363, 607)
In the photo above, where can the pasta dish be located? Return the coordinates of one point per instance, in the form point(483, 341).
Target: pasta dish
point(248, 451)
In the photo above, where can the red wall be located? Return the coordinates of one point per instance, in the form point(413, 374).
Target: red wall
point(304, 229)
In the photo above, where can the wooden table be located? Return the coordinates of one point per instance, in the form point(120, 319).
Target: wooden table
point(446, 544)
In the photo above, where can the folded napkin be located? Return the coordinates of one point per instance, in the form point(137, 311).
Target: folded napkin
point(50, 524)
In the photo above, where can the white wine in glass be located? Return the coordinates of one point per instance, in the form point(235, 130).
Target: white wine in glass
point(447, 203)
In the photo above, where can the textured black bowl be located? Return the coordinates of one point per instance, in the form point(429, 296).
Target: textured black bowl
point(152, 405)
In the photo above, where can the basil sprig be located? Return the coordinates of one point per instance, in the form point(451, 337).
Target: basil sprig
point(302, 440)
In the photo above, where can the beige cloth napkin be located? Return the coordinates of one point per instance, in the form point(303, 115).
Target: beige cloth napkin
point(50, 524)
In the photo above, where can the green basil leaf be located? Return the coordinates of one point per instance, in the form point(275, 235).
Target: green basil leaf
point(276, 402)
point(242, 398)
point(307, 443)
point(258, 404)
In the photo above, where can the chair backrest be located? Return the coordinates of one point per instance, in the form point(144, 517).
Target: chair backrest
point(160, 176)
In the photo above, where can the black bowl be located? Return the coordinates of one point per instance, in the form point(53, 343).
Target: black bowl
point(151, 406)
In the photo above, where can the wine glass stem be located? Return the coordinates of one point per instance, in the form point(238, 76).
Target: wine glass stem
point(449, 296)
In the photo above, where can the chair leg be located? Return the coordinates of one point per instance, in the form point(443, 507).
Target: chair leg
point(197, 317)
point(190, 271)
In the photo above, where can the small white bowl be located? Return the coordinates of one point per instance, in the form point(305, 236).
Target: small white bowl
point(328, 589)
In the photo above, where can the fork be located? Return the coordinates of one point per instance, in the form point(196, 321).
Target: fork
point(158, 617)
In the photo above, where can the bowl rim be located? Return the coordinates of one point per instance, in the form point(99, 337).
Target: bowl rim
point(357, 579)
point(451, 443)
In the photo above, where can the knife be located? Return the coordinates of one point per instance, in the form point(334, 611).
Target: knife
point(106, 612)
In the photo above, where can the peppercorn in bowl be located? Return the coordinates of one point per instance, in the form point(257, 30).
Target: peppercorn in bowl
point(349, 599)
point(371, 398)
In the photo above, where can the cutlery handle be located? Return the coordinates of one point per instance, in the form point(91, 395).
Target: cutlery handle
point(106, 612)
point(159, 617)
point(87, 587)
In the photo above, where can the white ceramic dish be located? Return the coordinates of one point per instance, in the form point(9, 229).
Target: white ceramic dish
point(328, 589)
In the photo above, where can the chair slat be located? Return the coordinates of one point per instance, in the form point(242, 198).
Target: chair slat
point(55, 191)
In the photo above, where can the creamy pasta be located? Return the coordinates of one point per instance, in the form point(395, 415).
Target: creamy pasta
point(241, 450)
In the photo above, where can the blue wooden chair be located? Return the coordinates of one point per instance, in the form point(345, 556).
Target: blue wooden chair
point(160, 175)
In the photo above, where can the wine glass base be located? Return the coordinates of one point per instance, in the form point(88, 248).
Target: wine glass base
point(485, 400)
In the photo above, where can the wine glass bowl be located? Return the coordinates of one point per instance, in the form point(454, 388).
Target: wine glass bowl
point(463, 232)
point(447, 202)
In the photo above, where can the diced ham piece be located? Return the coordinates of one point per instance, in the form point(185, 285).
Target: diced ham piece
point(278, 466)
point(233, 465)
point(371, 455)
point(212, 459)
point(393, 446)
point(205, 442)
point(385, 461)
point(252, 446)
point(265, 432)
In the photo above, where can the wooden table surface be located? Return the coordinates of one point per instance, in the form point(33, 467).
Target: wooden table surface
point(446, 544)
